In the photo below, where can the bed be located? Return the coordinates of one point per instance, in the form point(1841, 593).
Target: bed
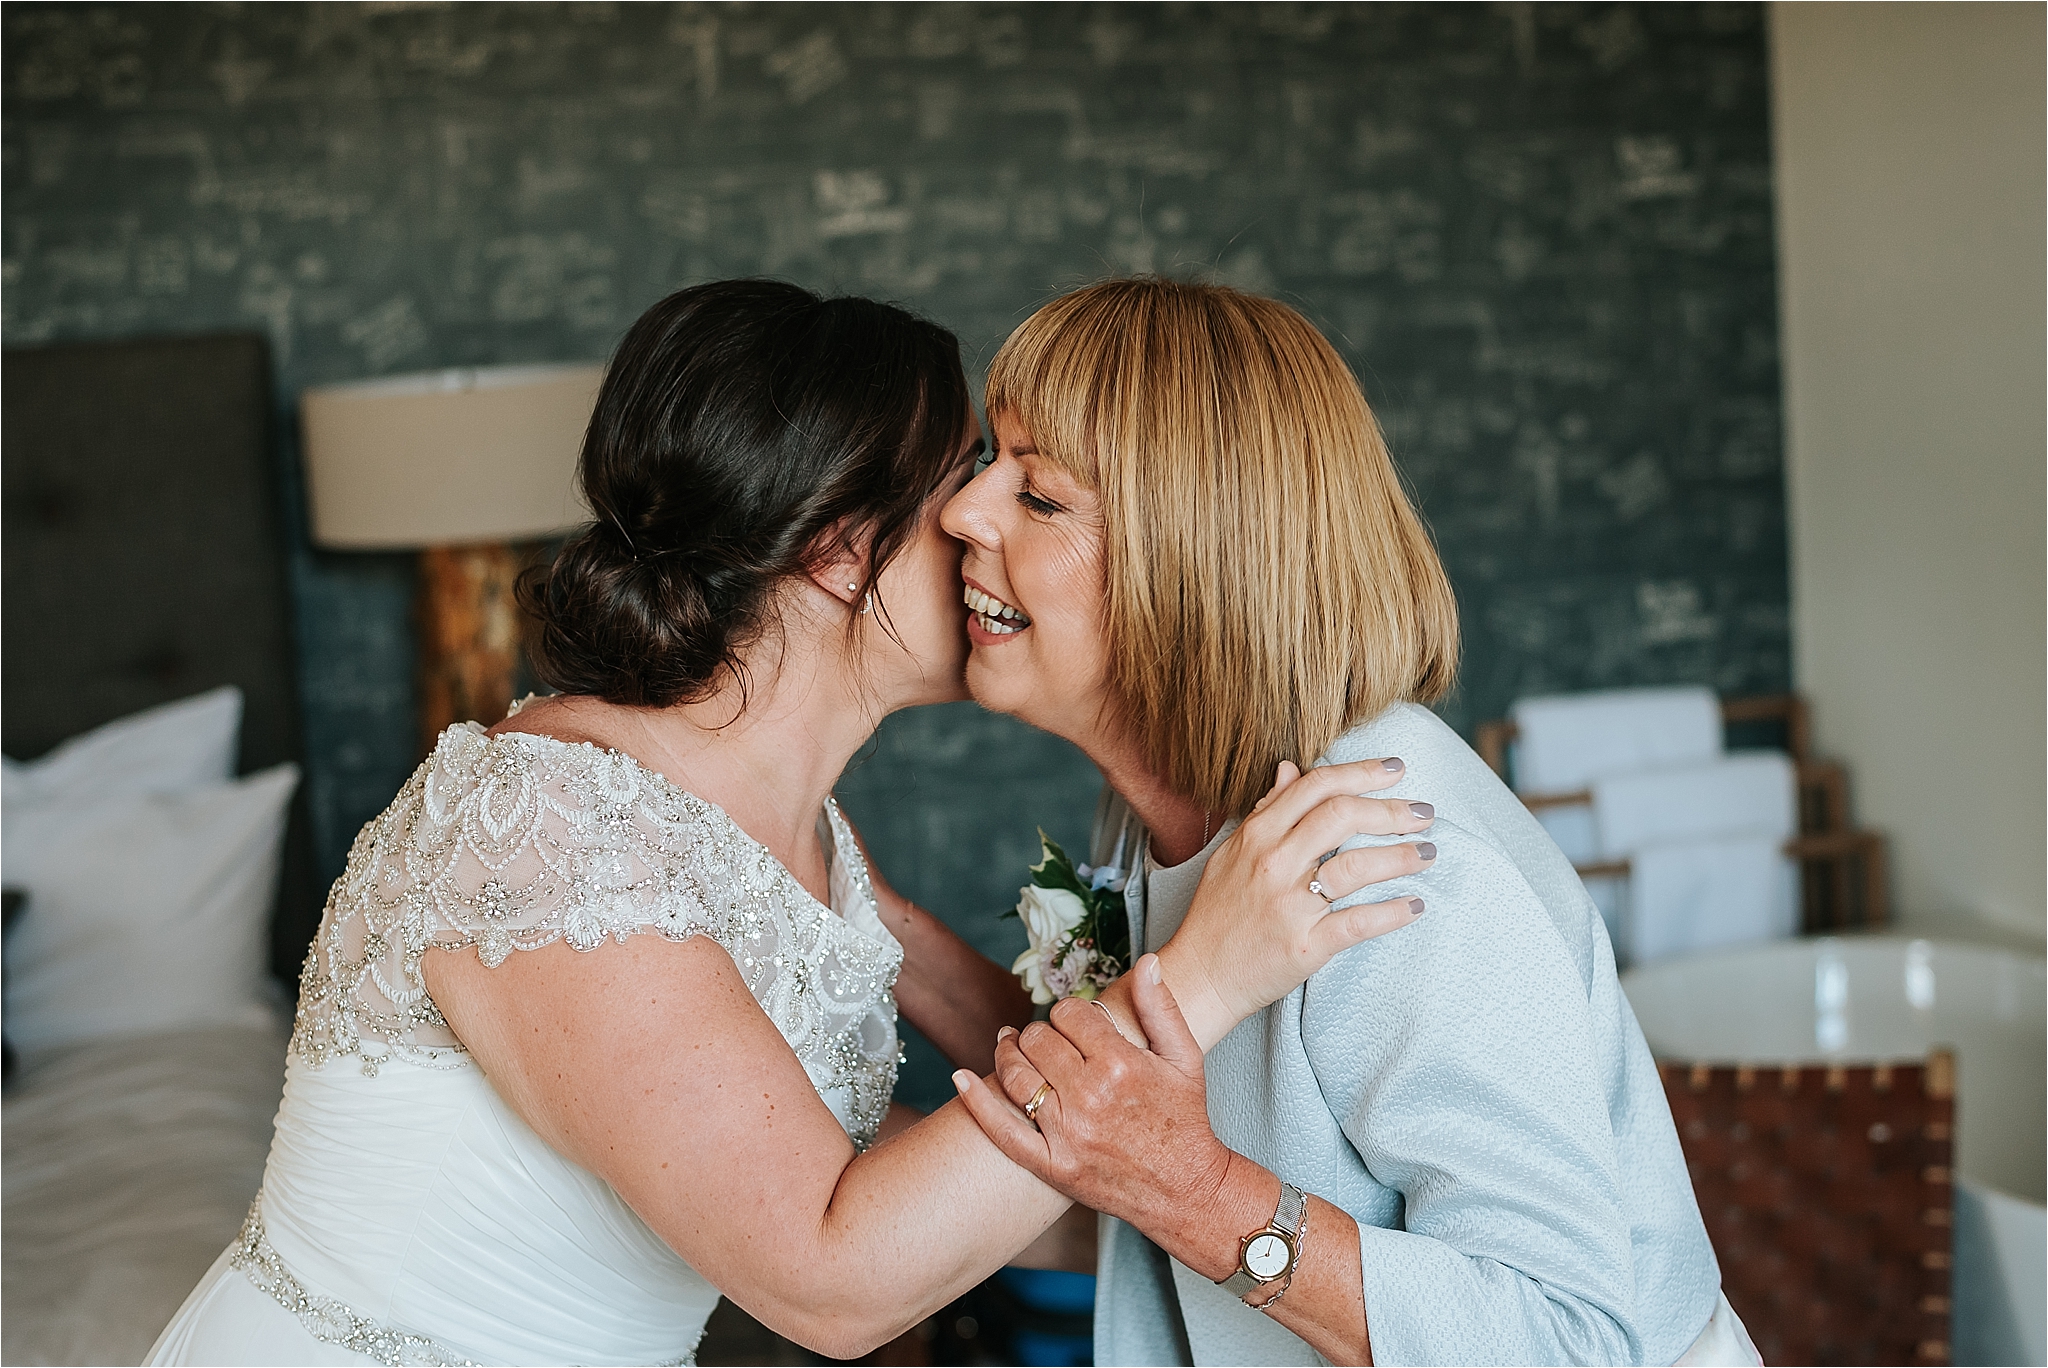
point(144, 563)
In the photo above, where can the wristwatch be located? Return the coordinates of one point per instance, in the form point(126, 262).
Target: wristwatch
point(1269, 1253)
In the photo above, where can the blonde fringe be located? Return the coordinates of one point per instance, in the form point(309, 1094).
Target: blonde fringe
point(1269, 584)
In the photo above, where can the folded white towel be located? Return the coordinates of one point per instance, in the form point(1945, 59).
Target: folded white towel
point(1573, 829)
point(1752, 793)
point(1568, 740)
point(1700, 895)
point(1610, 897)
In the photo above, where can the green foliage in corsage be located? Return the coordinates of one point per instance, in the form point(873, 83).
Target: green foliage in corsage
point(1080, 933)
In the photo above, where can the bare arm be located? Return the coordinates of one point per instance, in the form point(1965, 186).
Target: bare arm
point(651, 1065)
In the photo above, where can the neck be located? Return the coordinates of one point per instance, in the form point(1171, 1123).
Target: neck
point(769, 756)
point(1177, 825)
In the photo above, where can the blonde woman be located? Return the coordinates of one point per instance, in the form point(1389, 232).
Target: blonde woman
point(1448, 1146)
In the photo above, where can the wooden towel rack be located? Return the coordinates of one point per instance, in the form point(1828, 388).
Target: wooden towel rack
point(1842, 870)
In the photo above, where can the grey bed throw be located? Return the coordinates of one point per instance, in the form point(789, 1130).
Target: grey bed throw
point(128, 1164)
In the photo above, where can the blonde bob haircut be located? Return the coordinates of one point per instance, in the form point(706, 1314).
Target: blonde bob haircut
point(1269, 584)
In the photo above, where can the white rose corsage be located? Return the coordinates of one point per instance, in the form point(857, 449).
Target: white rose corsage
point(1080, 933)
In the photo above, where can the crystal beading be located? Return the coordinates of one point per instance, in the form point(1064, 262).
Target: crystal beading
point(513, 842)
point(332, 1322)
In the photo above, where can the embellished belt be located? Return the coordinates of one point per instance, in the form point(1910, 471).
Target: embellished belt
point(332, 1322)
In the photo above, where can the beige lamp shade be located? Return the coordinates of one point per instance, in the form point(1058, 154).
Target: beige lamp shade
point(447, 458)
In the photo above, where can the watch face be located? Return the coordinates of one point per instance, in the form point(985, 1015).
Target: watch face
point(1267, 1256)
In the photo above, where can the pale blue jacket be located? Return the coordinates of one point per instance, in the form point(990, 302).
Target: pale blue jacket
point(1473, 1088)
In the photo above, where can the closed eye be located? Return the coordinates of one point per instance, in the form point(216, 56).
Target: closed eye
point(1043, 507)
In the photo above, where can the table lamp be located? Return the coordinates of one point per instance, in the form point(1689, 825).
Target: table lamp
point(456, 464)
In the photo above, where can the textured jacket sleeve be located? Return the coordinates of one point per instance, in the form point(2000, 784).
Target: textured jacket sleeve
point(1469, 1086)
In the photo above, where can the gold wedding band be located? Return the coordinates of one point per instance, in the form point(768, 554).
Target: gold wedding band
point(1037, 1101)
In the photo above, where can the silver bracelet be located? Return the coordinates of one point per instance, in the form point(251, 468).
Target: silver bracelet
point(1112, 1020)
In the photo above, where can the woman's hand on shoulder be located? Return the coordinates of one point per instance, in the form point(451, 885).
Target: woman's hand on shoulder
point(1262, 921)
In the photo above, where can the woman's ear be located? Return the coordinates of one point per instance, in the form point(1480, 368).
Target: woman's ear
point(839, 579)
point(836, 565)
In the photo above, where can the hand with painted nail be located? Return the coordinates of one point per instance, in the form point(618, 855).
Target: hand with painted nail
point(1262, 921)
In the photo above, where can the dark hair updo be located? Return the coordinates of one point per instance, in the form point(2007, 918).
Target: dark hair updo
point(744, 429)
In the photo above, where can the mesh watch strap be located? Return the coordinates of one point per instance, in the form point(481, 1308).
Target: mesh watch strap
point(1287, 1221)
point(1293, 1206)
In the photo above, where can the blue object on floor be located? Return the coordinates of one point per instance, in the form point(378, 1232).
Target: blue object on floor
point(1049, 1289)
point(1039, 1350)
point(1051, 1293)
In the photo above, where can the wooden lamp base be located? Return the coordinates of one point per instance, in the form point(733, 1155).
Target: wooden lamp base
point(469, 636)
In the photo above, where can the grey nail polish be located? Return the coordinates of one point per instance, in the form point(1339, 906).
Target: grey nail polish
point(1415, 906)
point(1393, 764)
point(1423, 810)
point(1425, 851)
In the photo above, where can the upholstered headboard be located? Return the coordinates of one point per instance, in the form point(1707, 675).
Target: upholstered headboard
point(144, 557)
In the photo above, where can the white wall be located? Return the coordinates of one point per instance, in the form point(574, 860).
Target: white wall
point(1910, 157)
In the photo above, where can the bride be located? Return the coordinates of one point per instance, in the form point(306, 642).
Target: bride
point(665, 1071)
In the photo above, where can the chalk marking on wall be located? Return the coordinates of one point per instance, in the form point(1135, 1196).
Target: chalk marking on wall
point(1652, 167)
point(1671, 613)
point(699, 32)
point(856, 202)
point(810, 66)
point(388, 333)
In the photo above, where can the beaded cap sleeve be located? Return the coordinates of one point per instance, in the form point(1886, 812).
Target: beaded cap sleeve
point(513, 842)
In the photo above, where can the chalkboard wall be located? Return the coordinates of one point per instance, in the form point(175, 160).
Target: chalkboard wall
point(1541, 233)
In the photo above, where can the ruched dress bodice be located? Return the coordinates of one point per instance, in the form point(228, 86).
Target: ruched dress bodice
point(408, 1215)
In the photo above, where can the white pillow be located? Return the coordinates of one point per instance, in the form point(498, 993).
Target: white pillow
point(146, 911)
point(164, 749)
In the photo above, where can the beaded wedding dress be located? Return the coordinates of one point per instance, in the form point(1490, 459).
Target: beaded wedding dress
point(407, 1214)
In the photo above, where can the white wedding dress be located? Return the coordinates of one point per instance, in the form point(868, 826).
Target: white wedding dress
point(407, 1214)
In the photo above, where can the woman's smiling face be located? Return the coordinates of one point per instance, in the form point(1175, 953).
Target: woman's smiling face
point(1034, 585)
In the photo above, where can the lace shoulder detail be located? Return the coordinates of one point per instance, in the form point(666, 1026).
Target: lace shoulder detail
point(513, 842)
